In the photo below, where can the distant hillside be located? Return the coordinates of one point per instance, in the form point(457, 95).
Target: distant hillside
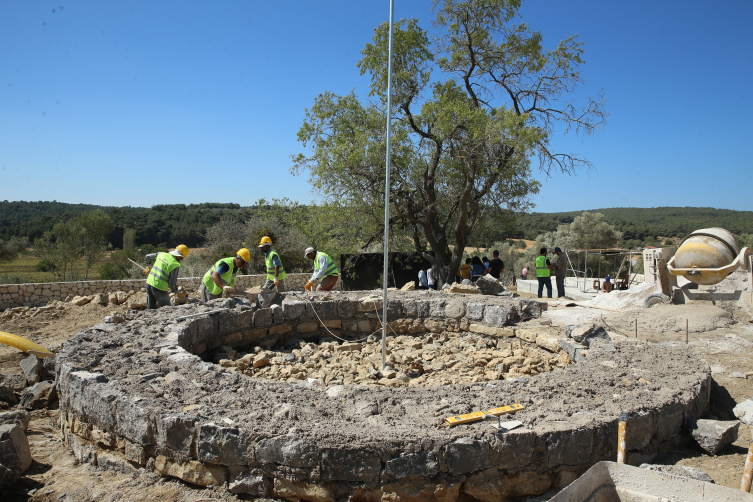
point(640, 223)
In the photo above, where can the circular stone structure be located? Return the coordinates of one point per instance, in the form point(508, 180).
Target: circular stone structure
point(138, 394)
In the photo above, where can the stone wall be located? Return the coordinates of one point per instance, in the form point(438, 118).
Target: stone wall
point(136, 392)
point(38, 294)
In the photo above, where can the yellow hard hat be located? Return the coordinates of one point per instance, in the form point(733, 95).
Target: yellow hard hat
point(183, 250)
point(245, 255)
point(264, 241)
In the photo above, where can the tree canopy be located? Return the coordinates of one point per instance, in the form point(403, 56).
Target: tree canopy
point(474, 110)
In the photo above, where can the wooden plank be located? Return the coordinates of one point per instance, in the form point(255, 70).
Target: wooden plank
point(478, 415)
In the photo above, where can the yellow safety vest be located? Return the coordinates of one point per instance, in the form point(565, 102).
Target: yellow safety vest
point(542, 270)
point(228, 278)
point(331, 268)
point(271, 267)
point(160, 273)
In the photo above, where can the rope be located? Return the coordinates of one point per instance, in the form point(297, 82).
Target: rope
point(344, 340)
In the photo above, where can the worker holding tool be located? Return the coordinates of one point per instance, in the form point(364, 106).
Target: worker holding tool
point(275, 271)
point(163, 275)
point(544, 273)
point(222, 276)
point(324, 270)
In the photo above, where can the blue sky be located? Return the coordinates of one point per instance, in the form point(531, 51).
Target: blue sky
point(140, 103)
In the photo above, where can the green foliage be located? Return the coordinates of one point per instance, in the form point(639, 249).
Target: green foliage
point(109, 272)
point(669, 242)
point(472, 111)
point(93, 229)
point(12, 278)
point(129, 239)
point(9, 249)
point(44, 266)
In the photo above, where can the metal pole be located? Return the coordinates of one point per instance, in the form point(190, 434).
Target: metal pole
point(387, 192)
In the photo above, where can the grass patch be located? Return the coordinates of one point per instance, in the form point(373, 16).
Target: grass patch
point(24, 266)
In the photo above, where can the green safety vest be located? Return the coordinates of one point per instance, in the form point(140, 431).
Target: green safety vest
point(271, 267)
point(228, 278)
point(160, 272)
point(542, 270)
point(331, 268)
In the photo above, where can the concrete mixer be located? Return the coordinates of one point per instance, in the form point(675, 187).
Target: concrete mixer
point(707, 256)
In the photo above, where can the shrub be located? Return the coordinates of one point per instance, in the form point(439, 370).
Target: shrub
point(44, 266)
point(12, 278)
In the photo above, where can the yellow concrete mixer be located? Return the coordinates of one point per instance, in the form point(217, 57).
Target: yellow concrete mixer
point(707, 256)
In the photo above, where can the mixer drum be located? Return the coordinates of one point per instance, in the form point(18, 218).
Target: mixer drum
point(705, 256)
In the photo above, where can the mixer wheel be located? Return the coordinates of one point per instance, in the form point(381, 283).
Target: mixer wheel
point(655, 299)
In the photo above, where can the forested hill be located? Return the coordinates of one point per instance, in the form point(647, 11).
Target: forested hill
point(186, 223)
point(640, 223)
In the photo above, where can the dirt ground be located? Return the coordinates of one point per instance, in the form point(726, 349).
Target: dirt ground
point(54, 475)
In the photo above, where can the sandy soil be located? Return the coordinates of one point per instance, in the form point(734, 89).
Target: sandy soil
point(54, 475)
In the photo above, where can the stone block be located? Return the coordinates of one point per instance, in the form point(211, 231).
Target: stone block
point(436, 307)
point(466, 455)
point(332, 324)
point(641, 427)
point(570, 447)
point(434, 325)
point(15, 453)
point(464, 289)
point(287, 450)
point(490, 330)
point(133, 419)
point(18, 417)
point(278, 317)
point(99, 399)
point(302, 490)
point(492, 486)
point(293, 310)
point(280, 329)
point(527, 335)
point(573, 349)
point(350, 465)
point(413, 464)
point(513, 449)
point(597, 337)
point(205, 329)
point(244, 482)
point(530, 309)
point(325, 310)
point(713, 435)
point(499, 315)
point(307, 327)
point(177, 432)
point(368, 304)
point(345, 309)
point(135, 453)
point(244, 320)
point(474, 311)
point(409, 308)
point(488, 285)
point(191, 472)
point(32, 367)
point(394, 309)
point(364, 326)
point(234, 337)
point(263, 318)
point(549, 341)
point(40, 395)
point(670, 421)
point(223, 445)
point(422, 308)
point(580, 332)
point(254, 333)
point(744, 411)
point(454, 310)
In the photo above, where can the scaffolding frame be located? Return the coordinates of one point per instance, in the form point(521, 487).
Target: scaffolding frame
point(578, 274)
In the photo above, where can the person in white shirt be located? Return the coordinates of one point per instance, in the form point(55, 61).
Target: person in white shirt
point(423, 281)
point(430, 277)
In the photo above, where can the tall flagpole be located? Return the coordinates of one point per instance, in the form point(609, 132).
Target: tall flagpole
point(387, 193)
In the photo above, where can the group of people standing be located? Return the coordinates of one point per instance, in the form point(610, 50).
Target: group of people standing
point(544, 269)
point(473, 269)
point(162, 276)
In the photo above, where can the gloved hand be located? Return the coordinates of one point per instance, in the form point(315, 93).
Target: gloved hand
point(277, 281)
point(308, 286)
point(147, 270)
point(228, 290)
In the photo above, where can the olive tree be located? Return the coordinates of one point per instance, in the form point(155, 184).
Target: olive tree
point(474, 111)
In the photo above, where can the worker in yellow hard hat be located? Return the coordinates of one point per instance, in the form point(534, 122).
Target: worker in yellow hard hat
point(275, 271)
point(222, 276)
point(324, 270)
point(163, 275)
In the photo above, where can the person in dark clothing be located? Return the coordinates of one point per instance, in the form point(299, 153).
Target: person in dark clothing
point(496, 266)
point(478, 269)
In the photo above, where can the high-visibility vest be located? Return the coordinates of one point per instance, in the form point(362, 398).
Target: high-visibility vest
point(228, 278)
point(331, 268)
point(160, 273)
point(271, 267)
point(542, 270)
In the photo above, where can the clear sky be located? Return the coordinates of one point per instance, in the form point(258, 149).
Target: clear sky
point(142, 102)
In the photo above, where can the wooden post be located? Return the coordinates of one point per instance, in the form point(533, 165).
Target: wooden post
point(686, 331)
point(621, 442)
point(748, 472)
point(636, 328)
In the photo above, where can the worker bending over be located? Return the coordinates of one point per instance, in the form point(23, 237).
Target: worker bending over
point(324, 270)
point(222, 276)
point(163, 275)
point(275, 271)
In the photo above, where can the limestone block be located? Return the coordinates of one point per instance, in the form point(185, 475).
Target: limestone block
point(332, 324)
point(12, 288)
point(670, 421)
point(191, 472)
point(301, 490)
point(345, 309)
point(177, 432)
point(573, 349)
point(569, 447)
point(641, 427)
point(409, 308)
point(277, 315)
point(245, 482)
point(287, 450)
point(744, 411)
point(47, 293)
point(364, 326)
point(18, 417)
point(223, 445)
point(135, 453)
point(597, 337)
point(234, 337)
point(226, 323)
point(418, 491)
point(280, 329)
point(101, 299)
point(436, 307)
point(434, 325)
point(490, 330)
point(488, 285)
point(80, 300)
point(409, 286)
point(263, 318)
point(549, 341)
point(254, 334)
point(14, 448)
point(413, 464)
point(474, 311)
point(305, 327)
point(293, 310)
point(350, 326)
point(368, 304)
point(513, 449)
point(499, 315)
point(466, 455)
point(350, 465)
point(32, 367)
point(99, 399)
point(133, 419)
point(713, 435)
point(422, 308)
point(526, 334)
point(76, 381)
point(454, 310)
point(394, 309)
point(324, 309)
point(55, 287)
point(463, 289)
